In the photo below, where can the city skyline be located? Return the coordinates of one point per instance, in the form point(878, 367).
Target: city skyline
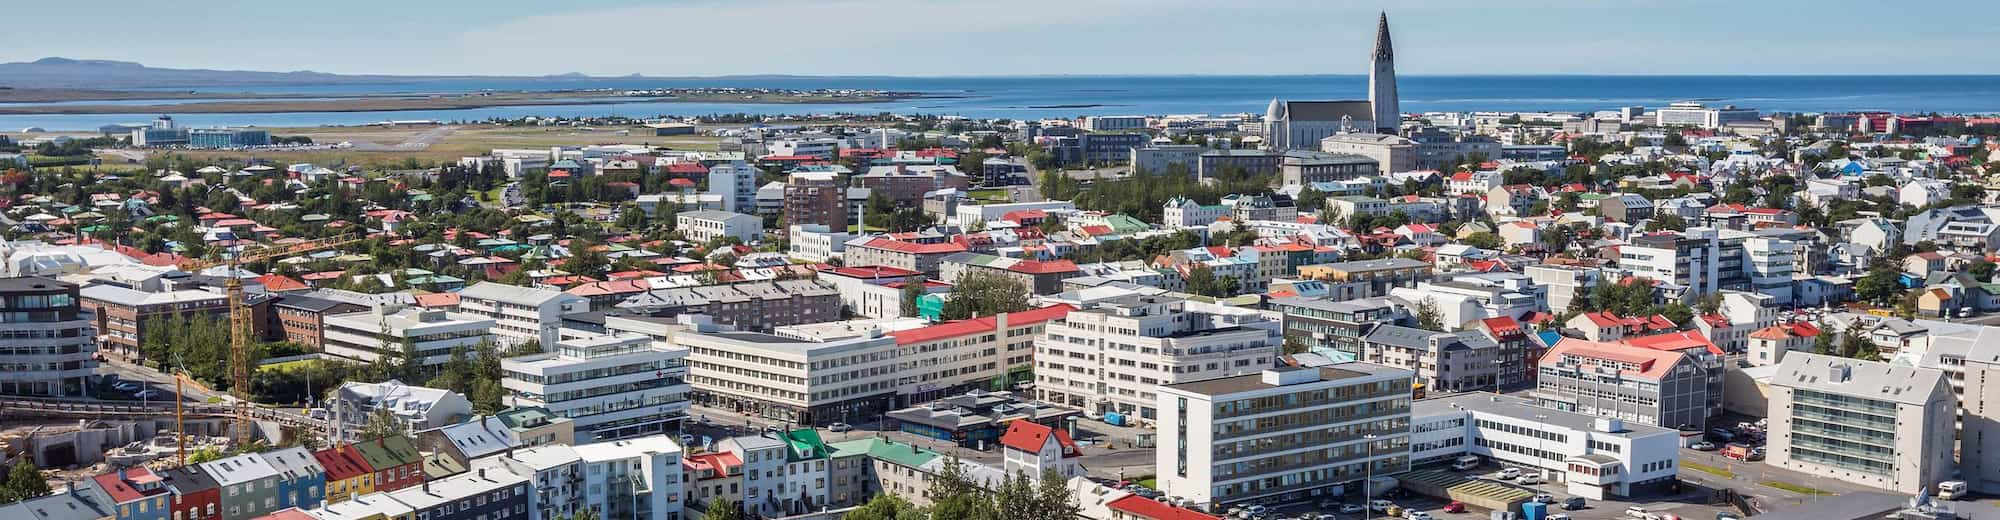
point(670, 39)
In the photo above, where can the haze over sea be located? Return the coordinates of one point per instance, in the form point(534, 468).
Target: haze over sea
point(1068, 96)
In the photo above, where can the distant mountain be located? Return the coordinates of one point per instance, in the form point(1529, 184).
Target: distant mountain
point(107, 74)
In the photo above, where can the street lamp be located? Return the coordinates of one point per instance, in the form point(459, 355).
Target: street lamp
point(1367, 478)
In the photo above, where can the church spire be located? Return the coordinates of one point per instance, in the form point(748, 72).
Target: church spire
point(1383, 49)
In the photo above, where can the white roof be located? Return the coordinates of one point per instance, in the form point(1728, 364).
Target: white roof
point(480, 437)
point(514, 294)
point(240, 469)
point(628, 448)
point(123, 296)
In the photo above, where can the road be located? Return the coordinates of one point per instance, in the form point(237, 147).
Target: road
point(154, 379)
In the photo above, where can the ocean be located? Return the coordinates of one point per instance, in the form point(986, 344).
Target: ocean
point(1069, 96)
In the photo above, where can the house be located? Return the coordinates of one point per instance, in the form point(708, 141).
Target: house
point(705, 226)
point(347, 473)
point(1769, 345)
point(249, 485)
point(136, 493)
point(196, 496)
point(395, 460)
point(301, 478)
point(1033, 449)
point(1605, 326)
point(1625, 207)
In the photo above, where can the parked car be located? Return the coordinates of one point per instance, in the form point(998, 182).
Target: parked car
point(839, 427)
point(125, 386)
point(1328, 503)
point(1725, 515)
point(1416, 515)
point(1703, 446)
point(1379, 505)
point(1557, 516)
point(1545, 498)
point(687, 440)
point(1529, 480)
point(1508, 474)
point(1352, 508)
point(1454, 507)
point(148, 394)
point(1573, 504)
point(1639, 512)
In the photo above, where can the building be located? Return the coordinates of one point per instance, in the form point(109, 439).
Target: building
point(705, 226)
point(634, 478)
point(1440, 361)
point(1158, 158)
point(906, 184)
point(473, 495)
point(1213, 163)
point(395, 461)
point(816, 243)
point(609, 387)
point(301, 478)
point(871, 291)
point(195, 495)
point(50, 345)
point(817, 198)
point(1367, 278)
point(1336, 328)
point(736, 183)
point(759, 306)
point(989, 353)
point(135, 493)
point(391, 331)
point(1593, 457)
point(1695, 114)
point(555, 478)
point(521, 314)
point(302, 318)
point(1640, 385)
point(1095, 148)
point(1184, 213)
point(1392, 153)
point(347, 473)
point(1690, 261)
point(417, 408)
point(1282, 431)
point(124, 316)
point(1113, 356)
point(1035, 449)
point(1037, 276)
point(249, 485)
point(1109, 123)
point(976, 419)
point(923, 257)
point(1864, 422)
point(222, 138)
point(800, 381)
point(1298, 168)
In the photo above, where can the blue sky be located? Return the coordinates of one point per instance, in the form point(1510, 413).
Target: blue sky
point(1015, 37)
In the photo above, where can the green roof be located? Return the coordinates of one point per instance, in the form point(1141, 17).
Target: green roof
point(901, 454)
point(388, 452)
point(806, 445)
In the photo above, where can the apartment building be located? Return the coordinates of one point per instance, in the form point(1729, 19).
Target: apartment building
point(47, 341)
point(990, 353)
point(1367, 278)
point(1112, 356)
point(610, 387)
point(1037, 276)
point(923, 257)
point(1641, 385)
point(521, 314)
point(906, 184)
point(759, 306)
point(555, 477)
point(705, 226)
point(1282, 433)
point(801, 381)
point(818, 199)
point(633, 478)
point(249, 485)
point(1336, 327)
point(1865, 422)
point(1593, 457)
point(125, 315)
point(302, 318)
point(1690, 261)
point(1440, 361)
point(871, 291)
point(416, 408)
point(392, 331)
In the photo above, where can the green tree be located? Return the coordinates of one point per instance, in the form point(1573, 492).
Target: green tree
point(1203, 281)
point(913, 288)
point(1666, 222)
point(982, 293)
point(204, 455)
point(1823, 343)
point(1428, 315)
point(886, 506)
point(722, 510)
point(1016, 496)
point(587, 513)
point(954, 496)
point(23, 482)
point(383, 424)
point(1482, 240)
point(1054, 500)
point(1880, 284)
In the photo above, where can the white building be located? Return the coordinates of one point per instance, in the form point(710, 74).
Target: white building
point(1157, 158)
point(554, 471)
point(612, 387)
point(416, 408)
point(1304, 431)
point(816, 243)
point(1393, 153)
point(392, 330)
point(1690, 261)
point(1185, 213)
point(1865, 422)
point(763, 472)
point(970, 213)
point(1033, 449)
point(633, 478)
point(1114, 355)
point(789, 379)
point(736, 183)
point(1593, 457)
point(822, 147)
point(1108, 123)
point(703, 226)
point(521, 314)
point(1695, 114)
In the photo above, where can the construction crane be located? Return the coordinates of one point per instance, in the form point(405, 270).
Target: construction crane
point(240, 324)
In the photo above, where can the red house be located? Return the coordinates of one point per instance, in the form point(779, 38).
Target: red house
point(196, 495)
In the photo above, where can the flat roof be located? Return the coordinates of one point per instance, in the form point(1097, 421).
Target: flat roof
point(1523, 409)
point(1254, 382)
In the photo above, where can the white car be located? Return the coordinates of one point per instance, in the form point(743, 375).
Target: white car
point(148, 394)
point(1529, 480)
point(839, 427)
point(1638, 512)
point(1416, 515)
point(1352, 508)
point(1379, 505)
point(1508, 474)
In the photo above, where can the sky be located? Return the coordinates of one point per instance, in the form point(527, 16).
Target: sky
point(1014, 37)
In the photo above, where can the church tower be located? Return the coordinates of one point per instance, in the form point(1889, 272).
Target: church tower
point(1274, 126)
point(1382, 81)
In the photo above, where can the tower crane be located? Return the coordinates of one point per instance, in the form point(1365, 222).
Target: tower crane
point(240, 325)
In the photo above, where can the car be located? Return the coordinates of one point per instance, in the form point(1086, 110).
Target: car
point(148, 394)
point(774, 430)
point(1725, 515)
point(1255, 510)
point(1379, 505)
point(1454, 507)
point(1324, 516)
point(1092, 416)
point(703, 420)
point(1703, 446)
point(1416, 515)
point(1328, 503)
point(687, 439)
point(125, 386)
point(1393, 511)
point(1557, 516)
point(1508, 474)
point(1529, 480)
point(1544, 498)
point(839, 427)
point(1638, 512)
point(1234, 511)
point(1352, 508)
point(1573, 504)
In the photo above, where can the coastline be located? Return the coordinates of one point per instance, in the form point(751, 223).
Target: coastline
point(60, 102)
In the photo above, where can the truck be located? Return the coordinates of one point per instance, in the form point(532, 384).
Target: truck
point(1951, 490)
point(1739, 451)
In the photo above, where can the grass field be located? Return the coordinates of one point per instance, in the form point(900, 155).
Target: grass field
point(1712, 470)
point(990, 195)
point(1795, 488)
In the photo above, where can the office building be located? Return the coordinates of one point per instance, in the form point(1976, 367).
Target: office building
point(609, 387)
point(705, 226)
point(1440, 361)
point(1865, 422)
point(1298, 432)
point(125, 316)
point(1308, 167)
point(758, 306)
point(1336, 328)
point(1109, 123)
point(223, 138)
point(391, 331)
point(736, 183)
point(1367, 278)
point(521, 314)
point(1635, 384)
point(1159, 157)
point(1037, 276)
point(1592, 457)
point(633, 478)
point(302, 318)
point(49, 345)
point(1694, 114)
point(988, 353)
point(1391, 153)
point(1113, 356)
point(1690, 261)
point(800, 381)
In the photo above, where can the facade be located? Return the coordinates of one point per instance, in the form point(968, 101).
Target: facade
point(195, 495)
point(1108, 123)
point(1392, 153)
point(815, 243)
point(922, 257)
point(417, 408)
point(49, 342)
point(347, 473)
point(1593, 457)
point(872, 291)
point(1113, 356)
point(736, 183)
point(301, 479)
point(302, 319)
point(1864, 422)
point(1308, 167)
point(907, 184)
point(124, 315)
point(1038, 276)
point(990, 353)
point(759, 306)
point(1691, 261)
point(817, 199)
point(1367, 278)
point(634, 478)
point(227, 137)
point(1157, 158)
point(554, 474)
point(610, 387)
point(473, 495)
point(391, 330)
point(1441, 361)
point(1333, 328)
point(1638, 385)
point(521, 314)
point(805, 382)
point(1249, 162)
point(1694, 114)
point(135, 493)
point(704, 226)
point(1282, 433)
point(1034, 449)
point(249, 485)
point(395, 460)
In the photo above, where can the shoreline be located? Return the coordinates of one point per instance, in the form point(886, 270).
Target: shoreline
point(284, 103)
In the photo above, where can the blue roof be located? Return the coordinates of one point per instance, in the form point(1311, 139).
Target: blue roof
point(1548, 337)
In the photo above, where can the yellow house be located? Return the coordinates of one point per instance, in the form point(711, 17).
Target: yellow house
point(347, 473)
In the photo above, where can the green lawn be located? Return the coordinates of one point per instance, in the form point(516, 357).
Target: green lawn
point(995, 195)
point(1712, 470)
point(1149, 482)
point(1795, 488)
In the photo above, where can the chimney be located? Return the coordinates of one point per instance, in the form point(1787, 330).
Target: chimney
point(482, 473)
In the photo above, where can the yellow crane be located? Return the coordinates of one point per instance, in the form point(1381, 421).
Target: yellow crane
point(240, 325)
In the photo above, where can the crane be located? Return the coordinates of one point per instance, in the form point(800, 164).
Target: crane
point(239, 314)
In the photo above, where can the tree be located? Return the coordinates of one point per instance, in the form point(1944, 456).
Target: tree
point(1016, 496)
point(1482, 240)
point(1428, 316)
point(296, 436)
point(886, 507)
point(587, 513)
point(382, 424)
point(204, 455)
point(913, 288)
point(954, 495)
point(1666, 222)
point(1823, 343)
point(1054, 500)
point(722, 510)
point(1880, 284)
point(1982, 269)
point(23, 482)
point(1202, 281)
point(983, 293)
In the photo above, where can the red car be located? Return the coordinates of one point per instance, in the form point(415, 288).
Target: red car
point(1454, 507)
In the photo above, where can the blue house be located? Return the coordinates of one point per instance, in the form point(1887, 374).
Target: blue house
point(301, 479)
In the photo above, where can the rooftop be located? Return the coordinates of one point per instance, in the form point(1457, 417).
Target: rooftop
point(1254, 382)
point(1525, 410)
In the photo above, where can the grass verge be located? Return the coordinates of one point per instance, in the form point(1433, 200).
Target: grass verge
point(1712, 470)
point(1795, 488)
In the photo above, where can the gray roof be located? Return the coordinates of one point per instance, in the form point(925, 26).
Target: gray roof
point(67, 506)
point(293, 463)
point(1370, 265)
point(1358, 305)
point(515, 294)
point(713, 215)
point(1254, 382)
point(1356, 110)
point(1869, 379)
point(240, 469)
point(1415, 338)
point(481, 437)
point(1523, 409)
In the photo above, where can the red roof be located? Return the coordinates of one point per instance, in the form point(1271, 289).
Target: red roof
point(720, 462)
point(684, 183)
point(342, 463)
point(1504, 325)
point(1044, 267)
point(1653, 364)
point(281, 283)
point(1143, 507)
point(324, 275)
point(1675, 341)
point(443, 299)
point(978, 325)
point(913, 247)
point(686, 168)
point(610, 288)
point(1019, 215)
point(1030, 436)
point(874, 271)
point(121, 491)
